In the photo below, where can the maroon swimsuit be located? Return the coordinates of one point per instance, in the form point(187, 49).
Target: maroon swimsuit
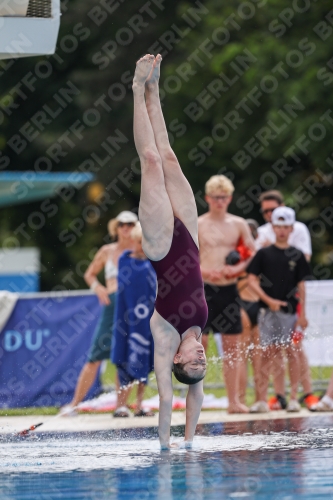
point(180, 298)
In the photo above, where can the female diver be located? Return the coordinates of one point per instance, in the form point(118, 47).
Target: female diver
point(168, 217)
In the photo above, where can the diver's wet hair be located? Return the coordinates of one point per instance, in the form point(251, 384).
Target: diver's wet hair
point(183, 377)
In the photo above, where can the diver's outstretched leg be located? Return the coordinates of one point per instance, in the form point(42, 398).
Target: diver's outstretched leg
point(177, 186)
point(155, 210)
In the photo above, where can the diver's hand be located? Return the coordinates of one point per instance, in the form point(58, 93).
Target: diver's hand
point(169, 446)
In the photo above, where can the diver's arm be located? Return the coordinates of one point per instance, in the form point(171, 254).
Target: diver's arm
point(166, 343)
point(165, 391)
point(194, 401)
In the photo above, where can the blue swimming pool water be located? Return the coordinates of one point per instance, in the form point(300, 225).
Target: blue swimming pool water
point(284, 459)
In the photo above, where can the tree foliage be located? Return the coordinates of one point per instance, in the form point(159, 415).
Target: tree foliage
point(246, 91)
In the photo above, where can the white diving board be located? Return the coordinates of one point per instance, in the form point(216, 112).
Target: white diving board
point(28, 27)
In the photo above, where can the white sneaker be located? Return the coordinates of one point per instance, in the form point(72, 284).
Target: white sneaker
point(325, 404)
point(259, 407)
point(293, 406)
point(68, 411)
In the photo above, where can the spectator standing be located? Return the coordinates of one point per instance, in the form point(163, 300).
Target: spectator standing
point(300, 239)
point(219, 235)
point(132, 343)
point(282, 270)
point(106, 258)
point(250, 343)
point(300, 235)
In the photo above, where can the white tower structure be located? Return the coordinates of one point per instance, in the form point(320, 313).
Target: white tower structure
point(28, 27)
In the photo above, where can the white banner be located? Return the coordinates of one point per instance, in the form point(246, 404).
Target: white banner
point(319, 335)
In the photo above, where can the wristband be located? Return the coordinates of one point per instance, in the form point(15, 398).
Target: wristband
point(94, 284)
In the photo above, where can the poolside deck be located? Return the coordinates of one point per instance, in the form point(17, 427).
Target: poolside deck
point(104, 422)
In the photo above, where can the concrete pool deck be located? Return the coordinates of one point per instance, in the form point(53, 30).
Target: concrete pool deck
point(105, 421)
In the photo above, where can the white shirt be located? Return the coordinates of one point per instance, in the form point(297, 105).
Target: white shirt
point(299, 238)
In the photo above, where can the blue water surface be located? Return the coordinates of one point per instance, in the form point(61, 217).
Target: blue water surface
point(281, 459)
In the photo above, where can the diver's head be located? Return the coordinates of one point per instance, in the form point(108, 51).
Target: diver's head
point(189, 363)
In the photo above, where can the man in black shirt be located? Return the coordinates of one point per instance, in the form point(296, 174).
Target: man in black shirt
point(282, 270)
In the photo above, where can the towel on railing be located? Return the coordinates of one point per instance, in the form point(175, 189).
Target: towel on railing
point(132, 341)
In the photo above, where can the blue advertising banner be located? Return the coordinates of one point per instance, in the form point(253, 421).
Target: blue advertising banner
point(44, 345)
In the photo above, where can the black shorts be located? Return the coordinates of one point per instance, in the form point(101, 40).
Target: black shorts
point(223, 309)
point(252, 310)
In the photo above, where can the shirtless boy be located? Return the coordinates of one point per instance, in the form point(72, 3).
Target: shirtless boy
point(219, 234)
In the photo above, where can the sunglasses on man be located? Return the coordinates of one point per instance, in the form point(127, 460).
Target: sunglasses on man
point(128, 224)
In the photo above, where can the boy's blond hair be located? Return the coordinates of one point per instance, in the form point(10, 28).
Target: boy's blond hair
point(136, 233)
point(219, 183)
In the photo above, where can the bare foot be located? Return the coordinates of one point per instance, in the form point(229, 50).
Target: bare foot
point(154, 76)
point(238, 408)
point(142, 70)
